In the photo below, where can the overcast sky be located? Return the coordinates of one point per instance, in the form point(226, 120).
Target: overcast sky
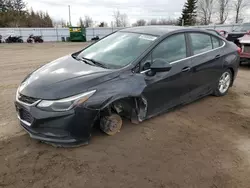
point(102, 10)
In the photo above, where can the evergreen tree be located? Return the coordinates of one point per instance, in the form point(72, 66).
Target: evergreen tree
point(189, 13)
point(13, 13)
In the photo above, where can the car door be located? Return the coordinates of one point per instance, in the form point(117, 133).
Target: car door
point(206, 64)
point(167, 89)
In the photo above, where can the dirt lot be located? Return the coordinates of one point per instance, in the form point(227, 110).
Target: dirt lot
point(204, 144)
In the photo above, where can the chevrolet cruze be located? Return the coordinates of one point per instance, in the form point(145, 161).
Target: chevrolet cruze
point(135, 73)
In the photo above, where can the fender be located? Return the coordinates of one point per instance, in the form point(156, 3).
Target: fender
point(124, 86)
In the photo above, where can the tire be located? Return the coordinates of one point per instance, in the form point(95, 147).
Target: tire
point(223, 84)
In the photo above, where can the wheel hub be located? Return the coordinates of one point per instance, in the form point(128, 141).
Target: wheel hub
point(224, 82)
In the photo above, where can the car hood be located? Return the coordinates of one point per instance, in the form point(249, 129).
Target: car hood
point(64, 77)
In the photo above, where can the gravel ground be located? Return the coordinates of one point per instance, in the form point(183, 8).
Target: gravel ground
point(202, 145)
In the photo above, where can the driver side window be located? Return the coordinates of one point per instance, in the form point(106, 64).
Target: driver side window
point(171, 49)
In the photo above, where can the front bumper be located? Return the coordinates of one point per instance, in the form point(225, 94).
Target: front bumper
point(60, 128)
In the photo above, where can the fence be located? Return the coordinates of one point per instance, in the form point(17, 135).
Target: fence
point(56, 34)
point(48, 34)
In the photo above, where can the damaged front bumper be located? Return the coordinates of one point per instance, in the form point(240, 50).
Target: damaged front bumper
point(59, 128)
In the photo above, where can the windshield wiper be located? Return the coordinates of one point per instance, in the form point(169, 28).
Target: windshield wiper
point(87, 60)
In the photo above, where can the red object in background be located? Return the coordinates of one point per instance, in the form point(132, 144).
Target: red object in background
point(239, 50)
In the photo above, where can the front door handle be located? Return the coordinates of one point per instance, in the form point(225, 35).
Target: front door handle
point(185, 69)
point(217, 57)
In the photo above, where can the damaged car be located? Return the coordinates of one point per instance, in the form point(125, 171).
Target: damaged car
point(244, 44)
point(135, 73)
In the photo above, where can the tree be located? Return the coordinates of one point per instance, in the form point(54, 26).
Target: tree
point(124, 20)
point(103, 24)
point(189, 13)
point(117, 18)
point(223, 10)
point(152, 22)
point(13, 13)
point(47, 20)
point(88, 21)
point(205, 10)
point(238, 6)
point(19, 5)
point(169, 21)
point(81, 24)
point(140, 22)
point(120, 20)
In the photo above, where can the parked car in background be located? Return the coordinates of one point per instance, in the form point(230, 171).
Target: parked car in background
point(136, 73)
point(244, 44)
point(215, 32)
point(238, 32)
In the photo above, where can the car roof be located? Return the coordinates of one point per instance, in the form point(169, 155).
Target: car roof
point(158, 30)
point(152, 30)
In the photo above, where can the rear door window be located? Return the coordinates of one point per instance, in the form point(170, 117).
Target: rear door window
point(216, 42)
point(200, 43)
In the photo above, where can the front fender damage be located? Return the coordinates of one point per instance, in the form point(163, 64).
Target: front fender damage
point(129, 86)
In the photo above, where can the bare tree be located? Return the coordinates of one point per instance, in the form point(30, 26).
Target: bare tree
point(140, 22)
point(124, 20)
point(120, 20)
point(153, 22)
point(169, 21)
point(238, 6)
point(223, 10)
point(81, 24)
point(205, 10)
point(117, 18)
point(88, 21)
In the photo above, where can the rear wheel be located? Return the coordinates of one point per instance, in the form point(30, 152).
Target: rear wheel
point(223, 84)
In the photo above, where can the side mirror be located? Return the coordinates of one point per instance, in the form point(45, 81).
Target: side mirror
point(159, 65)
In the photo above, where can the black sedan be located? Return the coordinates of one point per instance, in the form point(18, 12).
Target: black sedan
point(135, 73)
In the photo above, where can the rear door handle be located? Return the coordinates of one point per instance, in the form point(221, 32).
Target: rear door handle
point(185, 69)
point(217, 57)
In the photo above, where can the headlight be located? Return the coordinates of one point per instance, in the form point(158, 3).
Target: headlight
point(65, 104)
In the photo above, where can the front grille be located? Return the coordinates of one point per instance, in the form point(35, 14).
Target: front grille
point(246, 49)
point(26, 99)
point(26, 116)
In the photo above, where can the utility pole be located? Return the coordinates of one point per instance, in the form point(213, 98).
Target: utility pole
point(69, 17)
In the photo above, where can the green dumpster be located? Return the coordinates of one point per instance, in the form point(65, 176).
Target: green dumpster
point(77, 34)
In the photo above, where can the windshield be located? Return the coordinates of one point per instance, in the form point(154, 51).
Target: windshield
point(118, 49)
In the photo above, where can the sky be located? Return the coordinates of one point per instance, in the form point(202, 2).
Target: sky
point(103, 10)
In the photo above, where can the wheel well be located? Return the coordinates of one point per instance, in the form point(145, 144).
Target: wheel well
point(232, 71)
point(133, 108)
point(123, 107)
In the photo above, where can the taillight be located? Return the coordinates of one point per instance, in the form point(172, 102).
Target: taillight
point(239, 50)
